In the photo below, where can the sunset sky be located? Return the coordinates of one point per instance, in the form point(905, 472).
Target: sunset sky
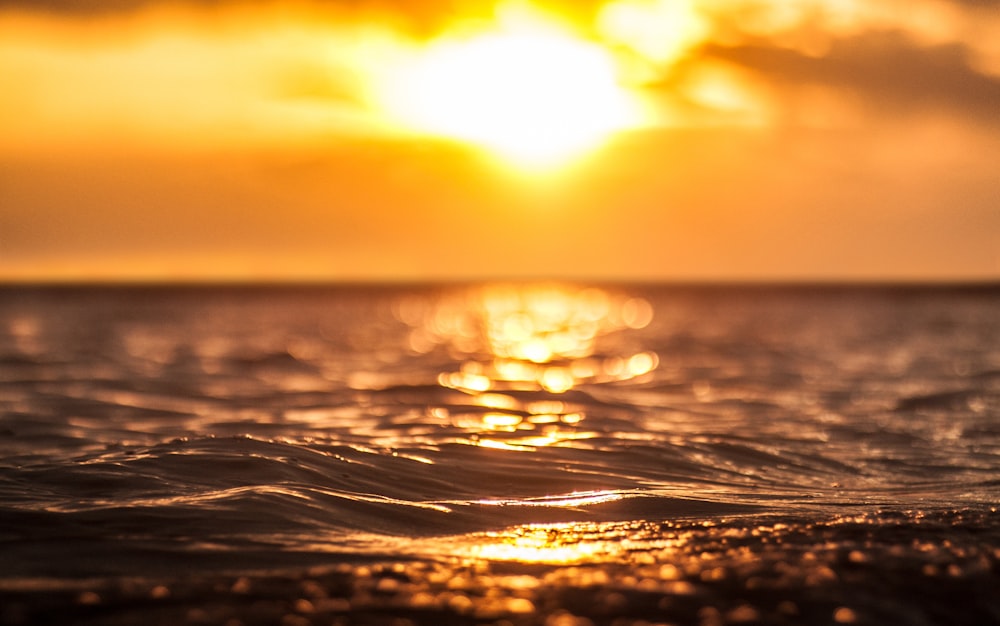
point(429, 140)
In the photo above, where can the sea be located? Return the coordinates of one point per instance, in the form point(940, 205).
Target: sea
point(508, 454)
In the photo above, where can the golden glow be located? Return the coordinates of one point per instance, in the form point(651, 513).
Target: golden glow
point(570, 500)
point(544, 543)
point(552, 435)
point(525, 84)
point(527, 88)
point(176, 77)
point(661, 31)
point(539, 339)
point(544, 324)
point(134, 132)
point(722, 88)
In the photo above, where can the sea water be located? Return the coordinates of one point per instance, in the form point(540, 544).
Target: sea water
point(552, 454)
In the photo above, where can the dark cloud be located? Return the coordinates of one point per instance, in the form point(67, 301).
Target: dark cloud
point(986, 4)
point(422, 17)
point(886, 70)
point(97, 8)
point(83, 7)
point(417, 10)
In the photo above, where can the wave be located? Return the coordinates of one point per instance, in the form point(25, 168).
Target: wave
point(251, 429)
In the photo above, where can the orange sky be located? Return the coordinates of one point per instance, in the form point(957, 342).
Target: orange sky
point(631, 139)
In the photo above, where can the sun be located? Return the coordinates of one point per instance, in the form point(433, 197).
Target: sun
point(527, 88)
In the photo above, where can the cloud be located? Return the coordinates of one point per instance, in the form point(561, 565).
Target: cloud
point(420, 14)
point(83, 8)
point(886, 71)
point(765, 61)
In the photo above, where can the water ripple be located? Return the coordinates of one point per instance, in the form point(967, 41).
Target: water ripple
point(234, 417)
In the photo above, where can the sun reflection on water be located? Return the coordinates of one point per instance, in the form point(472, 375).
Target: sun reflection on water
point(562, 544)
point(575, 499)
point(515, 340)
point(521, 351)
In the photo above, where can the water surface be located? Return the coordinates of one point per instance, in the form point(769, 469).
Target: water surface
point(535, 454)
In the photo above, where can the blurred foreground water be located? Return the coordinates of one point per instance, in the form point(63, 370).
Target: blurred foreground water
point(524, 454)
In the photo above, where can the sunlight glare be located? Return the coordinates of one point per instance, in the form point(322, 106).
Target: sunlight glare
point(528, 89)
point(545, 543)
point(660, 31)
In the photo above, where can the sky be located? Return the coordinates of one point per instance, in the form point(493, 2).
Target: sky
point(645, 140)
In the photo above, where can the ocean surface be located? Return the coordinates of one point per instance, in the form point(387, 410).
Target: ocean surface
point(521, 454)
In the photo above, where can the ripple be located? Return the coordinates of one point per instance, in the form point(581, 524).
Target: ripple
point(284, 423)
